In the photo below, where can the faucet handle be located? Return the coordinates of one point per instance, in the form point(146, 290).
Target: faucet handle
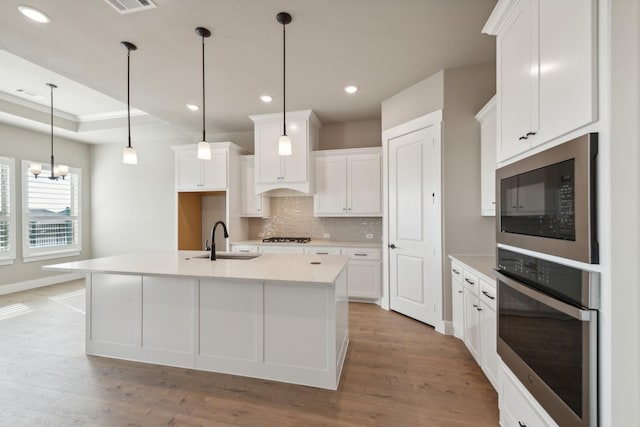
point(206, 245)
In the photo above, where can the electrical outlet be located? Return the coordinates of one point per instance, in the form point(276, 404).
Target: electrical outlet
point(369, 236)
point(326, 235)
point(260, 234)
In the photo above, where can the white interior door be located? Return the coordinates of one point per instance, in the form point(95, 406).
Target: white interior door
point(414, 232)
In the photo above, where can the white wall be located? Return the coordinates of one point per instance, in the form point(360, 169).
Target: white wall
point(22, 144)
point(625, 212)
point(133, 206)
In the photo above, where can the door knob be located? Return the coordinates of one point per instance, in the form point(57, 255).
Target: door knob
point(392, 246)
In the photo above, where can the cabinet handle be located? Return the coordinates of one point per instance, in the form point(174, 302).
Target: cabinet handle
point(478, 308)
point(486, 294)
point(322, 253)
point(344, 209)
point(475, 305)
point(521, 424)
point(360, 254)
point(459, 292)
point(530, 133)
point(493, 203)
point(471, 282)
point(456, 271)
point(243, 250)
point(522, 138)
point(349, 209)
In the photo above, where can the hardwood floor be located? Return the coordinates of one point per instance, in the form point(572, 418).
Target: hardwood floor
point(398, 372)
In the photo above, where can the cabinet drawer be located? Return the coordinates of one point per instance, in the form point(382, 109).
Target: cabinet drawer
point(322, 250)
point(518, 406)
point(363, 254)
point(244, 248)
point(470, 280)
point(488, 293)
point(456, 272)
point(273, 249)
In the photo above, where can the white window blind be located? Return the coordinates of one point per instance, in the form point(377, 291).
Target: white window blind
point(7, 211)
point(51, 216)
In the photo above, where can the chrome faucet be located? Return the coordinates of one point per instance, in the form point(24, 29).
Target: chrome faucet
point(212, 257)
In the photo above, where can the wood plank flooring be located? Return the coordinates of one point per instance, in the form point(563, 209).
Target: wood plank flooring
point(398, 372)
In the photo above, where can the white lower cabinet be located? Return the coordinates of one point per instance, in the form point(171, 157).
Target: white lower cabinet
point(517, 407)
point(457, 299)
point(474, 305)
point(364, 271)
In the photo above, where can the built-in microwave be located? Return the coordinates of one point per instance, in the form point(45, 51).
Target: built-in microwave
point(547, 202)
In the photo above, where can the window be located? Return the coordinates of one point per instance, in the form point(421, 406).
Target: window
point(7, 212)
point(51, 214)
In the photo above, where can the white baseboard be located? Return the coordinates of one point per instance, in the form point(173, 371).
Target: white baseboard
point(444, 327)
point(39, 283)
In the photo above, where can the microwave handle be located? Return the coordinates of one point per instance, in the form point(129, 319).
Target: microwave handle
point(569, 310)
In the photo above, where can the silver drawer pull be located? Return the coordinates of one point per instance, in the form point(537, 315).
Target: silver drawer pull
point(360, 254)
point(243, 250)
point(322, 253)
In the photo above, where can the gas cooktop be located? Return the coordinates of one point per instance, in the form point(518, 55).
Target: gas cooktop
point(287, 240)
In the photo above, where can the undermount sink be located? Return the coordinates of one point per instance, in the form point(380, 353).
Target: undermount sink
point(227, 255)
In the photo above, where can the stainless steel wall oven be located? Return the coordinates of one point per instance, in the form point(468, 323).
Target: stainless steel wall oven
point(547, 334)
point(547, 202)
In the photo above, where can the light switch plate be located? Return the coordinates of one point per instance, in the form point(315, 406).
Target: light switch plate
point(326, 235)
point(369, 236)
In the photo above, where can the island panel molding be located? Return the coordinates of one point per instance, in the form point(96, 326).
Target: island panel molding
point(243, 317)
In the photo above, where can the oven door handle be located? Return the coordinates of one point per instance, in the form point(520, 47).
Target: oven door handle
point(569, 310)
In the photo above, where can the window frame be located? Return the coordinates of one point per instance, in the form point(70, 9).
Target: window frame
point(50, 252)
point(8, 257)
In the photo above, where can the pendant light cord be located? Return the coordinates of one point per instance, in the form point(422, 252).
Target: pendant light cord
point(284, 81)
point(204, 135)
point(128, 98)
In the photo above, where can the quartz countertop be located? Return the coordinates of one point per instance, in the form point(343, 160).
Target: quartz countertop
point(313, 242)
point(268, 267)
point(482, 264)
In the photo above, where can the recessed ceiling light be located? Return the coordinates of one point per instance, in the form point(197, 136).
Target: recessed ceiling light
point(266, 98)
point(34, 14)
point(351, 89)
point(193, 107)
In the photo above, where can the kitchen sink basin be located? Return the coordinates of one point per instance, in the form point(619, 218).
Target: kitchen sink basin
point(228, 255)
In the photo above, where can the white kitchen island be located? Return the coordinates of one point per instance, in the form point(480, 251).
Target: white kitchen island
point(278, 317)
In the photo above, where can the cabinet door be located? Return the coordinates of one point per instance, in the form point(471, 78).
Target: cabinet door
point(268, 168)
point(472, 323)
point(488, 348)
point(364, 185)
point(281, 249)
point(458, 308)
point(488, 138)
point(214, 171)
point(251, 204)
point(363, 279)
point(331, 186)
point(517, 79)
point(567, 83)
point(296, 167)
point(188, 170)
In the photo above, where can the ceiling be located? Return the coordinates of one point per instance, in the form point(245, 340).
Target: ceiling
point(381, 46)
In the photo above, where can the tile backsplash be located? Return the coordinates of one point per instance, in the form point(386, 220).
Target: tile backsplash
point(293, 217)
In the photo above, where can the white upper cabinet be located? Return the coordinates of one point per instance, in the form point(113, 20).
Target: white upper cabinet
point(546, 70)
point(252, 204)
point(348, 182)
point(193, 174)
point(487, 119)
point(294, 172)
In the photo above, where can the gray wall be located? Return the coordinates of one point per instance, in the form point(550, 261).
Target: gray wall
point(466, 91)
point(416, 101)
point(22, 144)
point(366, 133)
point(460, 93)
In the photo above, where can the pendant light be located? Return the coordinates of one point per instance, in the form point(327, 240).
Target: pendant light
point(204, 149)
point(56, 171)
point(284, 142)
point(129, 155)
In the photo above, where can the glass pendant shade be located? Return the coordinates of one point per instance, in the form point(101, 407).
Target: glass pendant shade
point(35, 168)
point(204, 150)
point(284, 146)
point(63, 170)
point(130, 156)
